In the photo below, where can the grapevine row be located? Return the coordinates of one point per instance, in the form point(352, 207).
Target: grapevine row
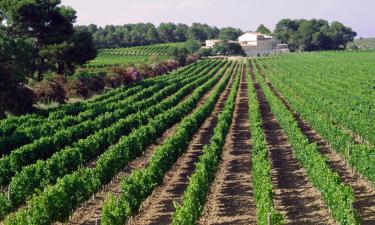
point(337, 196)
point(195, 194)
point(140, 184)
point(80, 185)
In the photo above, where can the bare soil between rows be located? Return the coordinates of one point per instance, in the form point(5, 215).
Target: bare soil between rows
point(89, 213)
point(295, 196)
point(231, 199)
point(364, 193)
point(159, 207)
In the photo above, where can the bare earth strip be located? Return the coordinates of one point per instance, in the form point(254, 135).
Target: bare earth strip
point(159, 207)
point(294, 194)
point(231, 199)
point(89, 213)
point(364, 192)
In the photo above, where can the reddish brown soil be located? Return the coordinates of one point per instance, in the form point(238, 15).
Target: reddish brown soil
point(89, 212)
point(231, 199)
point(159, 207)
point(295, 196)
point(364, 192)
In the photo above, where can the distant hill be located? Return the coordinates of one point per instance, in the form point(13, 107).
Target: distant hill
point(363, 43)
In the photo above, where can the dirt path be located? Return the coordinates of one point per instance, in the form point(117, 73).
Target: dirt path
point(294, 194)
point(231, 199)
point(159, 208)
point(89, 212)
point(364, 193)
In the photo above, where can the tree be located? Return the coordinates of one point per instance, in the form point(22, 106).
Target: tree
point(179, 54)
point(152, 36)
point(312, 35)
point(15, 58)
point(228, 48)
point(198, 32)
point(80, 49)
point(181, 32)
point(263, 29)
point(230, 33)
point(193, 45)
point(166, 32)
point(49, 26)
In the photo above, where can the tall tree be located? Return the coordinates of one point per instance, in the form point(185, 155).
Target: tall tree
point(312, 35)
point(166, 32)
point(181, 32)
point(230, 33)
point(263, 29)
point(43, 21)
point(15, 58)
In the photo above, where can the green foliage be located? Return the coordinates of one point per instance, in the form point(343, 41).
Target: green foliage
point(228, 48)
point(140, 184)
point(199, 183)
point(47, 207)
point(262, 183)
point(203, 52)
point(192, 45)
point(15, 57)
point(49, 26)
point(179, 54)
point(313, 35)
point(320, 94)
point(34, 176)
point(140, 34)
point(230, 33)
point(263, 29)
point(337, 196)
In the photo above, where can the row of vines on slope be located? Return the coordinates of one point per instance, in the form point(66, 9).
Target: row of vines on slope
point(140, 184)
point(78, 186)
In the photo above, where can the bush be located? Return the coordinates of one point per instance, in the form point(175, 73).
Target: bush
point(127, 76)
point(147, 71)
point(75, 88)
point(18, 101)
point(48, 91)
point(112, 80)
point(172, 64)
point(94, 83)
point(204, 52)
point(192, 59)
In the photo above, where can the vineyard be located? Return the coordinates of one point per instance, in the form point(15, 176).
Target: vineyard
point(282, 140)
point(131, 55)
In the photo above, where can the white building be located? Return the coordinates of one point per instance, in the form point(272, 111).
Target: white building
point(211, 43)
point(258, 44)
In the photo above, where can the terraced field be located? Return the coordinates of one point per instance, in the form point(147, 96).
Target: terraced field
point(281, 140)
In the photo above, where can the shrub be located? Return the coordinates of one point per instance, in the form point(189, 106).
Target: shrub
point(48, 91)
point(192, 59)
point(18, 101)
point(94, 83)
point(75, 88)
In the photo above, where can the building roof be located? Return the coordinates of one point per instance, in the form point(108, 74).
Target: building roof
point(257, 33)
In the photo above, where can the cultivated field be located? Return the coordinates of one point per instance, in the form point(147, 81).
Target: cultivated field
point(281, 140)
point(131, 55)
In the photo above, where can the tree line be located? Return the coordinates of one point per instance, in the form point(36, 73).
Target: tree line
point(314, 34)
point(128, 35)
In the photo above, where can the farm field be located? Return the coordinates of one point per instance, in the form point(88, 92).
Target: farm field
point(131, 55)
point(281, 140)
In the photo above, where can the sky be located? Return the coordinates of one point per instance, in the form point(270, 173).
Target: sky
point(244, 14)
